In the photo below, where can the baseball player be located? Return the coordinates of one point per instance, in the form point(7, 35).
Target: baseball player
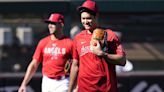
point(93, 66)
point(53, 52)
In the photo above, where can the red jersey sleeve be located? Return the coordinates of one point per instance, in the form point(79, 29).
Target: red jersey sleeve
point(38, 55)
point(74, 51)
point(71, 48)
point(119, 48)
point(114, 44)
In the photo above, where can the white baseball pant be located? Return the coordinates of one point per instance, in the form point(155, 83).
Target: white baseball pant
point(53, 85)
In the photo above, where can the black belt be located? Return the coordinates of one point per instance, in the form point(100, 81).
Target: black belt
point(60, 77)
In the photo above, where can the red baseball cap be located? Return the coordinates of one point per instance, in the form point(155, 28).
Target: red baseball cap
point(90, 5)
point(55, 18)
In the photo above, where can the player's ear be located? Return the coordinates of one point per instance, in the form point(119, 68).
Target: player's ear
point(62, 25)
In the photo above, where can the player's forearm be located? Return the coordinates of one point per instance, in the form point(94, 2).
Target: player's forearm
point(115, 59)
point(29, 73)
point(73, 77)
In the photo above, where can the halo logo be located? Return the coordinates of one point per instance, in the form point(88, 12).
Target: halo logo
point(141, 86)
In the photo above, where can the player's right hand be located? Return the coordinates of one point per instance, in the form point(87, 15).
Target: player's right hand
point(96, 49)
point(22, 89)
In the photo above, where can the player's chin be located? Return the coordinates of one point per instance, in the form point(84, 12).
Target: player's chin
point(87, 27)
point(52, 32)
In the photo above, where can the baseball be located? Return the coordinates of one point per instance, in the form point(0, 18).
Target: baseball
point(95, 44)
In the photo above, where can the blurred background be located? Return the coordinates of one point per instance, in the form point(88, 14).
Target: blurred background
point(138, 23)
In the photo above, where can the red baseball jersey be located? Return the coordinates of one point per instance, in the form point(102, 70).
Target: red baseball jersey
point(95, 74)
point(53, 54)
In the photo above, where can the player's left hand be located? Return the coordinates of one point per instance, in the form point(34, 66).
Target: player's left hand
point(67, 66)
point(95, 47)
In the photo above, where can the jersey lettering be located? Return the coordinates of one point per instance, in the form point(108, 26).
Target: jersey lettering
point(54, 51)
point(85, 50)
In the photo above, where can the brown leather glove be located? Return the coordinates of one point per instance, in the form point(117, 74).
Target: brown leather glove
point(97, 41)
point(98, 35)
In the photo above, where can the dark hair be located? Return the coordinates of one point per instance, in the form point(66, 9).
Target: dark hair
point(88, 11)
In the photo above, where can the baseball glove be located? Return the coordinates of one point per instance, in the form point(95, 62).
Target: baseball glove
point(67, 67)
point(98, 40)
point(98, 35)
